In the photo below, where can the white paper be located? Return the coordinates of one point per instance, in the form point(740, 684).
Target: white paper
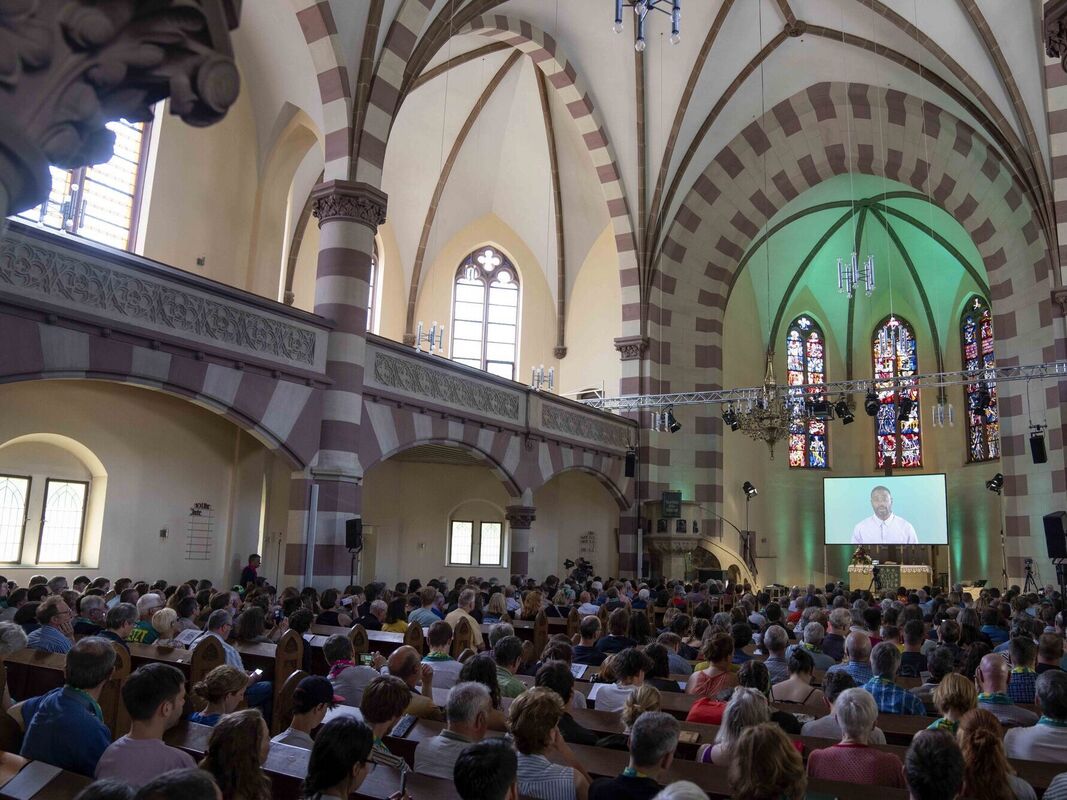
point(578, 670)
point(187, 638)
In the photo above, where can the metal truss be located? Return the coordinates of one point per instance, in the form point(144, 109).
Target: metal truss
point(752, 395)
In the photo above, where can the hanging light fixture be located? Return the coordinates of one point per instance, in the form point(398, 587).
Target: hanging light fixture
point(641, 9)
point(769, 418)
point(850, 275)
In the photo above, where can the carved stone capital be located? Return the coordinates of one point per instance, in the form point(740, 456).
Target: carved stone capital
point(409, 339)
point(1059, 297)
point(348, 200)
point(559, 352)
point(631, 348)
point(71, 67)
point(520, 517)
point(1055, 25)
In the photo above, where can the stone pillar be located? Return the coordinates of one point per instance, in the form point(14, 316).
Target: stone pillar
point(520, 520)
point(349, 215)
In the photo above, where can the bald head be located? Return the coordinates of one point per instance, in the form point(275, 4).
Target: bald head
point(404, 664)
point(993, 673)
point(858, 646)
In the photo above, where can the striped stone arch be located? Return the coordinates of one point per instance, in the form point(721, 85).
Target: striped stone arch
point(563, 76)
point(335, 89)
point(384, 100)
point(830, 129)
point(608, 472)
point(282, 414)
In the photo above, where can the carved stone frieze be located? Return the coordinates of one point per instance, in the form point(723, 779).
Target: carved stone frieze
point(442, 386)
point(520, 517)
point(577, 425)
point(68, 68)
point(61, 278)
point(631, 348)
point(358, 202)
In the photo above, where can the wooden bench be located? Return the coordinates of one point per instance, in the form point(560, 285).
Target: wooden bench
point(36, 780)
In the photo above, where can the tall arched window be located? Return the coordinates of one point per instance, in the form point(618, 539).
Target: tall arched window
point(898, 441)
point(983, 415)
point(805, 355)
point(485, 313)
point(372, 288)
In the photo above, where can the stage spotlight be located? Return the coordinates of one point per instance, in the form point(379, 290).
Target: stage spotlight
point(995, 484)
point(904, 408)
point(673, 425)
point(870, 403)
point(844, 413)
point(729, 417)
point(820, 408)
point(749, 490)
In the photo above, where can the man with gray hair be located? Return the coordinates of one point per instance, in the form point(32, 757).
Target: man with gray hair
point(498, 631)
point(91, 609)
point(1047, 740)
point(653, 739)
point(813, 636)
point(468, 709)
point(462, 611)
point(118, 623)
point(143, 632)
point(57, 585)
point(858, 649)
point(375, 616)
point(827, 727)
point(833, 644)
point(891, 699)
point(853, 760)
point(775, 642)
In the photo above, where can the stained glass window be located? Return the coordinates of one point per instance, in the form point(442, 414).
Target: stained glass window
point(485, 313)
point(805, 354)
point(983, 414)
point(898, 440)
point(99, 202)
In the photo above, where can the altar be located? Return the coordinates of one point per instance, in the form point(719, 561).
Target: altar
point(910, 576)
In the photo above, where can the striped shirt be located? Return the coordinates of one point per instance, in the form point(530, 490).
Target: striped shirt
point(541, 779)
point(380, 754)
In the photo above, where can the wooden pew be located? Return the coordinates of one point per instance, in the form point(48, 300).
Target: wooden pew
point(37, 780)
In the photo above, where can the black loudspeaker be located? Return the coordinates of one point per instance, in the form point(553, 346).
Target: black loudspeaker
point(1037, 448)
point(631, 463)
point(1056, 534)
point(354, 533)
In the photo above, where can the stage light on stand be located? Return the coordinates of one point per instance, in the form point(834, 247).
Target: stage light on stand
point(995, 484)
point(820, 408)
point(870, 403)
point(749, 490)
point(729, 417)
point(670, 423)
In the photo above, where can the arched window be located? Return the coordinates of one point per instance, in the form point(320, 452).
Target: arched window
point(898, 441)
point(805, 355)
point(485, 313)
point(983, 415)
point(372, 288)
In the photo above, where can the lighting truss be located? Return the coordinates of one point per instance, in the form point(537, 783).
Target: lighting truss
point(752, 395)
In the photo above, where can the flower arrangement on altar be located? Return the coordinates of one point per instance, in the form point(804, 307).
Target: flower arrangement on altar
point(860, 557)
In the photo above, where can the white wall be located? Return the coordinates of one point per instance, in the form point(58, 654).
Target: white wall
point(161, 454)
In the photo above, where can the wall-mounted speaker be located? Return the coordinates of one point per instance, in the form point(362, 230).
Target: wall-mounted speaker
point(631, 463)
point(1037, 448)
point(1056, 534)
point(354, 533)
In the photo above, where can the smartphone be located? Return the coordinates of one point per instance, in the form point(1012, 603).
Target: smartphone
point(257, 674)
point(347, 601)
point(366, 658)
point(278, 615)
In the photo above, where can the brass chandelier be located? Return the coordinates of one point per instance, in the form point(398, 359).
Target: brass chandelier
point(767, 416)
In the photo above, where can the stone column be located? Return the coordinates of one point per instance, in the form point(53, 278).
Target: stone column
point(520, 520)
point(349, 215)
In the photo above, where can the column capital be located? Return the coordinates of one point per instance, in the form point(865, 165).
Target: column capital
point(349, 200)
point(1059, 297)
point(520, 517)
point(631, 348)
point(1055, 24)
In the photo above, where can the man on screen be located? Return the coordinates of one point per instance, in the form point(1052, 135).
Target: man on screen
point(883, 527)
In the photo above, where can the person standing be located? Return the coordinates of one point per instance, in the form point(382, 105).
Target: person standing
point(250, 573)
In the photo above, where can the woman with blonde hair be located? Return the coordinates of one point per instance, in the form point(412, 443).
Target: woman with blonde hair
point(222, 689)
point(531, 605)
point(560, 606)
point(954, 697)
point(747, 707)
point(236, 751)
point(643, 698)
point(495, 610)
point(766, 766)
point(718, 651)
point(987, 775)
point(163, 622)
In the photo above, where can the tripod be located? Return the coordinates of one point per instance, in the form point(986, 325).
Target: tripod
point(876, 580)
point(1030, 585)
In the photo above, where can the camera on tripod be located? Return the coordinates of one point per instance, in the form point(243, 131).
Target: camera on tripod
point(581, 571)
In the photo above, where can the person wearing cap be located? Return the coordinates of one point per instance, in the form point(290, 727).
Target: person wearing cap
point(312, 699)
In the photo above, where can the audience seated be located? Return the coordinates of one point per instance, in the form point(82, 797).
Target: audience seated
point(858, 650)
point(348, 678)
point(827, 727)
point(992, 677)
point(718, 650)
point(652, 742)
point(339, 760)
point(91, 609)
point(798, 689)
point(853, 759)
point(55, 633)
point(1047, 740)
point(630, 667)
point(532, 721)
point(445, 668)
point(766, 766)
point(312, 698)
point(987, 773)
point(462, 611)
point(585, 652)
point(939, 663)
point(617, 639)
point(507, 653)
point(557, 676)
point(933, 766)
point(235, 755)
point(222, 689)
point(482, 669)
point(812, 645)
point(746, 708)
point(1049, 652)
point(487, 771)
point(775, 643)
point(65, 727)
point(642, 700)
point(143, 632)
point(754, 675)
point(891, 698)
point(154, 696)
point(385, 700)
point(180, 784)
point(405, 663)
point(469, 705)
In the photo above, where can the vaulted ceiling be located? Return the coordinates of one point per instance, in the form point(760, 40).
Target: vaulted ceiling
point(481, 131)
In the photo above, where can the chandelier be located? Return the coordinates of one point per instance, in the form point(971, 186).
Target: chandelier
point(641, 9)
point(768, 418)
point(850, 275)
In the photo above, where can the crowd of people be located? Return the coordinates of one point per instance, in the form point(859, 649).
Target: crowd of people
point(819, 662)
